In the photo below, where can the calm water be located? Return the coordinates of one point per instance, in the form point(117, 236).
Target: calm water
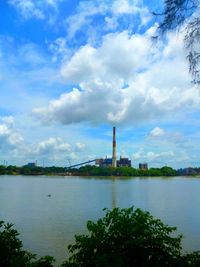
point(48, 224)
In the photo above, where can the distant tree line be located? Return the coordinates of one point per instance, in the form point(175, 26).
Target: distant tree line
point(87, 170)
point(92, 170)
point(122, 238)
point(124, 171)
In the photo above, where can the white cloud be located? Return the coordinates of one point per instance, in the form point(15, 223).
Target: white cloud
point(151, 156)
point(123, 82)
point(9, 138)
point(28, 9)
point(56, 148)
point(52, 145)
point(34, 8)
point(157, 131)
point(59, 49)
point(83, 15)
point(8, 120)
point(80, 146)
point(121, 7)
point(112, 11)
point(53, 150)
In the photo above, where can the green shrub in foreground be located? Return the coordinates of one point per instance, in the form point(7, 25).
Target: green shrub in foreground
point(128, 237)
point(122, 238)
point(12, 253)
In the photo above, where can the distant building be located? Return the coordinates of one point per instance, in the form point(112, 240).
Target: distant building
point(143, 166)
point(104, 163)
point(113, 162)
point(31, 164)
point(189, 171)
point(107, 162)
point(123, 162)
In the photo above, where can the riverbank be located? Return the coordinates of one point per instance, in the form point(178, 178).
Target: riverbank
point(88, 170)
point(92, 170)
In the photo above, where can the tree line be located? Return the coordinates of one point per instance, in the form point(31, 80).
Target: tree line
point(87, 170)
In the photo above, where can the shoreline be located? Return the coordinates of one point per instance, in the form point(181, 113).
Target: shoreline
point(99, 176)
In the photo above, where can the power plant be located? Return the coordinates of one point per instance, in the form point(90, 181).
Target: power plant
point(113, 162)
point(108, 162)
point(114, 152)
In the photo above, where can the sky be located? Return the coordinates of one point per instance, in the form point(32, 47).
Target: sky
point(71, 70)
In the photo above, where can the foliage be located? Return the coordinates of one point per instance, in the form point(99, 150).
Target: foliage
point(92, 170)
point(124, 171)
point(88, 170)
point(168, 171)
point(12, 253)
point(126, 237)
point(122, 238)
point(46, 261)
point(184, 13)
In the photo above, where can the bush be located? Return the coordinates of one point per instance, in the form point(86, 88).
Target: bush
point(122, 238)
point(12, 253)
point(126, 237)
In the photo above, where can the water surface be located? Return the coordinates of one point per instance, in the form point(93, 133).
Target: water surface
point(48, 211)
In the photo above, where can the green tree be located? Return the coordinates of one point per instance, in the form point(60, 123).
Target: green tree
point(155, 172)
point(2, 169)
point(168, 171)
point(126, 237)
point(12, 253)
point(123, 238)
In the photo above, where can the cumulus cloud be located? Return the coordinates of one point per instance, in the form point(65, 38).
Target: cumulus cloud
point(164, 156)
point(152, 156)
point(52, 145)
point(124, 82)
point(167, 147)
point(16, 148)
point(9, 138)
point(104, 63)
point(54, 148)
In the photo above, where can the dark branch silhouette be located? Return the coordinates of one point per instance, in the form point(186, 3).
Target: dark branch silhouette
point(184, 13)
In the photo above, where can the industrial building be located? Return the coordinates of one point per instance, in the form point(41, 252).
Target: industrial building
point(107, 162)
point(113, 162)
point(31, 164)
point(143, 166)
point(123, 162)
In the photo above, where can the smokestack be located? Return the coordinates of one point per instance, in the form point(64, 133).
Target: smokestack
point(114, 157)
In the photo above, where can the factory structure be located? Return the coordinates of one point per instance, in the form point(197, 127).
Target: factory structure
point(103, 162)
point(114, 162)
point(143, 166)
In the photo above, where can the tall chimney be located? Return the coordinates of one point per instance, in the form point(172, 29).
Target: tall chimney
point(114, 157)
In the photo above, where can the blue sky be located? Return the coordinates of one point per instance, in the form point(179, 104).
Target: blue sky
point(70, 70)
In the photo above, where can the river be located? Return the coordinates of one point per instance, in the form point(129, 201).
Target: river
point(48, 211)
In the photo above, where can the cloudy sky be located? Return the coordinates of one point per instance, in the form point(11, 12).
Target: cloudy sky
point(70, 70)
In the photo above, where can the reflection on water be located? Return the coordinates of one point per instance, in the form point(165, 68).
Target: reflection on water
point(114, 193)
point(48, 211)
